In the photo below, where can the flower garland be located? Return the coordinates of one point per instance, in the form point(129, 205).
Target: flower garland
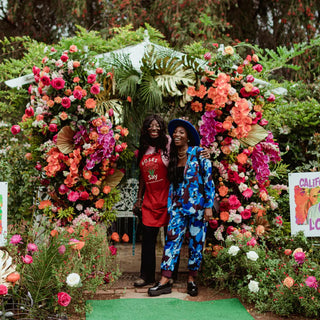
point(231, 108)
point(80, 148)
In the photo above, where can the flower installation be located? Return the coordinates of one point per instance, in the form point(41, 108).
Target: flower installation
point(74, 149)
point(230, 106)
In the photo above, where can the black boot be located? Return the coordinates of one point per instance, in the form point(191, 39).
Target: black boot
point(159, 289)
point(192, 289)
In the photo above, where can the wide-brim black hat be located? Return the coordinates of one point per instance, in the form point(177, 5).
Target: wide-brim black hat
point(188, 126)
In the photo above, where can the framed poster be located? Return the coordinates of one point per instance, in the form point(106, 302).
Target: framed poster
point(304, 193)
point(3, 212)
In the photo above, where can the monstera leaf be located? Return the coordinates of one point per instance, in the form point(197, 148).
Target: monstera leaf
point(171, 74)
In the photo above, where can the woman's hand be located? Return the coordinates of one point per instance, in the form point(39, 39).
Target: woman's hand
point(208, 215)
point(206, 153)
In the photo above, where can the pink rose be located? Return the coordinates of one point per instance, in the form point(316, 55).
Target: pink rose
point(45, 80)
point(257, 67)
point(264, 122)
point(63, 189)
point(73, 196)
point(111, 113)
point(3, 290)
point(247, 193)
point(213, 223)
point(118, 148)
point(84, 195)
point(91, 78)
point(57, 83)
point(113, 250)
point(99, 71)
point(63, 299)
point(312, 282)
point(53, 127)
point(36, 70)
point(38, 166)
point(77, 94)
point(271, 98)
point(62, 249)
point(255, 91)
point(27, 259)
point(29, 112)
point(64, 58)
point(300, 257)
point(230, 229)
point(32, 247)
point(16, 239)
point(252, 242)
point(15, 129)
point(95, 89)
point(93, 179)
point(207, 56)
point(66, 102)
point(250, 78)
point(246, 214)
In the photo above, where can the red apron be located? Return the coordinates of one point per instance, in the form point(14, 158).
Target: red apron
point(154, 206)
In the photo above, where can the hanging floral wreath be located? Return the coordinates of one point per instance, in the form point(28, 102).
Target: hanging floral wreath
point(232, 125)
point(75, 148)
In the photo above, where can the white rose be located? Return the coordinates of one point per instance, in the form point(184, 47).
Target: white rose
point(73, 280)
point(253, 286)
point(233, 250)
point(252, 255)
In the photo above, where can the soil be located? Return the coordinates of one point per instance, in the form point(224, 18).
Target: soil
point(129, 263)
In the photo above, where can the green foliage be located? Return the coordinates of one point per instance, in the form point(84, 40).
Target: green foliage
point(293, 124)
point(19, 173)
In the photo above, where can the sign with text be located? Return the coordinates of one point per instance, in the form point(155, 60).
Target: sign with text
point(304, 192)
point(3, 212)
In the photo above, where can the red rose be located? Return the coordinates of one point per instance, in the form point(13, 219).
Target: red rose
point(29, 112)
point(57, 83)
point(63, 299)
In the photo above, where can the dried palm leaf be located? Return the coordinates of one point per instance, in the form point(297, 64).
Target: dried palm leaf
point(113, 180)
point(65, 141)
point(6, 268)
point(256, 135)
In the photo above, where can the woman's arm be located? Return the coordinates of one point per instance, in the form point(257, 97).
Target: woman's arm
point(140, 195)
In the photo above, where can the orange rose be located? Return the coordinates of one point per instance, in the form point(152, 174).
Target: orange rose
point(44, 203)
point(76, 64)
point(223, 191)
point(99, 204)
point(90, 103)
point(63, 116)
point(57, 100)
point(288, 282)
point(224, 216)
point(106, 189)
point(54, 233)
point(95, 191)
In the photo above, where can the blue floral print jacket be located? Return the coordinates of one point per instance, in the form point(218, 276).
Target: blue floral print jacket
point(197, 190)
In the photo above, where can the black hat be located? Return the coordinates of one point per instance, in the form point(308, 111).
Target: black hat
point(173, 124)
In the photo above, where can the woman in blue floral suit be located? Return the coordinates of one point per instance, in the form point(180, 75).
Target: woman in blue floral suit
point(190, 203)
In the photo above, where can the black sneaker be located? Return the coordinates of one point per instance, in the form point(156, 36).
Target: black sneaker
point(159, 289)
point(192, 289)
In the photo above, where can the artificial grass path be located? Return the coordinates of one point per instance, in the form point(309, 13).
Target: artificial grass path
point(167, 309)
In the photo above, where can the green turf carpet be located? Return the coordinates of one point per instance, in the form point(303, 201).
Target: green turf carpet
point(167, 309)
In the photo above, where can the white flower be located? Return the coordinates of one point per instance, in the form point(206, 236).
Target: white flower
point(73, 280)
point(252, 255)
point(253, 286)
point(237, 218)
point(233, 250)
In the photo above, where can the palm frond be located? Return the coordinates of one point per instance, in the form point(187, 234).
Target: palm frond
point(150, 93)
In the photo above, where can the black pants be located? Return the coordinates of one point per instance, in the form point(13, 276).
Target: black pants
point(148, 254)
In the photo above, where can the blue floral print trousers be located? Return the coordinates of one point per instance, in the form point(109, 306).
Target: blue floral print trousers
point(181, 221)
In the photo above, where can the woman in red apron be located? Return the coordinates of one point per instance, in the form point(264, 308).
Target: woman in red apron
point(153, 159)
